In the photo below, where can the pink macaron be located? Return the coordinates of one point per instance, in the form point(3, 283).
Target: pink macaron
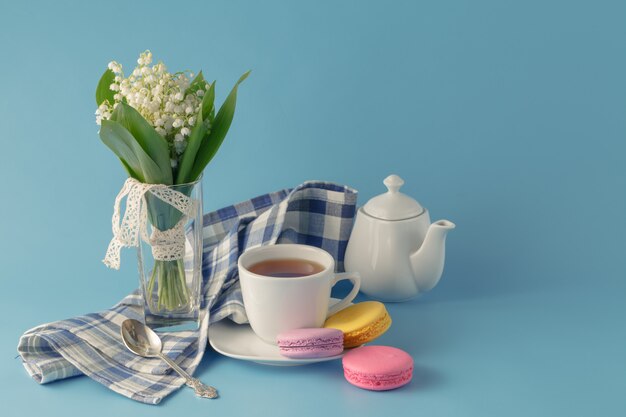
point(310, 343)
point(378, 368)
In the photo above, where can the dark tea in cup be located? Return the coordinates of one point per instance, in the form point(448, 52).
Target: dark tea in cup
point(286, 268)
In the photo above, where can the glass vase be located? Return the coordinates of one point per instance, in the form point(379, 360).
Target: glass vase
point(170, 260)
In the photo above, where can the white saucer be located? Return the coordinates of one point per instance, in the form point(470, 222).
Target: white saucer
point(240, 342)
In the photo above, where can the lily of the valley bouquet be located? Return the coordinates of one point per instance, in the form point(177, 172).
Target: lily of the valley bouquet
point(164, 129)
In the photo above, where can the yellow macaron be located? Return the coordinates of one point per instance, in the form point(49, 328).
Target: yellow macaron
point(360, 323)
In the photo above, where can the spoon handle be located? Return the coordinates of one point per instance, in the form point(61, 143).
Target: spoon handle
point(202, 390)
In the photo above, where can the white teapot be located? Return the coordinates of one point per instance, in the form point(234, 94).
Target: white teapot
point(394, 247)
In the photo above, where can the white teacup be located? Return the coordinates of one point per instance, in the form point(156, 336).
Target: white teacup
point(277, 304)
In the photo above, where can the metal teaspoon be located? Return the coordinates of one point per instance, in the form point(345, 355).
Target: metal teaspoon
point(143, 341)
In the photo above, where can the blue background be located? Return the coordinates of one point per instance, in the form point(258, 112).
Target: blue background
point(506, 117)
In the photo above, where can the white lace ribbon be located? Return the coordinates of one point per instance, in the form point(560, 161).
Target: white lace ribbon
point(167, 245)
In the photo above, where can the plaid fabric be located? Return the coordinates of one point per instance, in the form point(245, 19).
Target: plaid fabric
point(314, 213)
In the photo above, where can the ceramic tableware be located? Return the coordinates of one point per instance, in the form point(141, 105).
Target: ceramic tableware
point(238, 341)
point(277, 304)
point(394, 247)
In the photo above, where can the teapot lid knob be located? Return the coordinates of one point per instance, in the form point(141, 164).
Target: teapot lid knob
point(393, 205)
point(393, 183)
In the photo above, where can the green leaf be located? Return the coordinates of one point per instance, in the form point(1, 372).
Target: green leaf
point(219, 129)
point(208, 103)
point(149, 139)
point(243, 77)
point(189, 156)
point(132, 155)
point(103, 90)
point(120, 148)
point(198, 83)
point(130, 171)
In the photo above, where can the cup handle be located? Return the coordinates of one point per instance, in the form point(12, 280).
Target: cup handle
point(355, 278)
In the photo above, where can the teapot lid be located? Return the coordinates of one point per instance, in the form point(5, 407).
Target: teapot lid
point(393, 205)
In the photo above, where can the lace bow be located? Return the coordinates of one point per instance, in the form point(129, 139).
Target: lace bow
point(167, 245)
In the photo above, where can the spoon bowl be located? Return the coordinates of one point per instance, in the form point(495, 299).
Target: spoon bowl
point(140, 339)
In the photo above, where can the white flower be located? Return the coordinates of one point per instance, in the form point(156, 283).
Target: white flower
point(180, 146)
point(101, 111)
point(159, 96)
point(145, 58)
point(115, 67)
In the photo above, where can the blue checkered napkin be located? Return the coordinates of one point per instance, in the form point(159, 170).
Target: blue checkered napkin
point(314, 213)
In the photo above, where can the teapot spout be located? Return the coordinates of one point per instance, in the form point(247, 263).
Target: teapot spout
point(427, 262)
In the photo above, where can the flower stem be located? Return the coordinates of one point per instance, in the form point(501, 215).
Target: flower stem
point(172, 293)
